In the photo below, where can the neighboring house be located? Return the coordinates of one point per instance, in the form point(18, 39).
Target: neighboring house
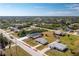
point(35, 35)
point(14, 29)
point(77, 31)
point(42, 41)
point(58, 46)
point(59, 33)
point(69, 30)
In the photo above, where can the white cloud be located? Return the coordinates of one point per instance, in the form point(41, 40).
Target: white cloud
point(74, 7)
point(62, 13)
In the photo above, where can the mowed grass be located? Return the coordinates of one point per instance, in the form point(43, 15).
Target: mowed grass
point(16, 51)
point(71, 41)
point(31, 42)
point(41, 47)
point(15, 34)
point(58, 53)
point(49, 36)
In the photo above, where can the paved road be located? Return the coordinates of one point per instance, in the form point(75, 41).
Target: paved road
point(23, 45)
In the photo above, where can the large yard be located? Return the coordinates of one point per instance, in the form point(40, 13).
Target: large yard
point(71, 41)
point(49, 36)
point(31, 42)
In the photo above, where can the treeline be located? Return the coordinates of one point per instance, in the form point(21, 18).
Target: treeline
point(23, 33)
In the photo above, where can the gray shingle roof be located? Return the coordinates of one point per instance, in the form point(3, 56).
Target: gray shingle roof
point(58, 46)
point(41, 40)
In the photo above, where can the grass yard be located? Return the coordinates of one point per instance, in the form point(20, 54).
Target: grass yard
point(71, 41)
point(41, 47)
point(31, 42)
point(15, 34)
point(58, 53)
point(19, 52)
point(49, 36)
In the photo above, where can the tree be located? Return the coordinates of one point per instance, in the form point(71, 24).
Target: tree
point(3, 43)
point(10, 47)
point(22, 33)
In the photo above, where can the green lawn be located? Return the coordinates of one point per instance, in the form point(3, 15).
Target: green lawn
point(16, 51)
point(70, 41)
point(31, 42)
point(15, 34)
point(58, 53)
point(41, 47)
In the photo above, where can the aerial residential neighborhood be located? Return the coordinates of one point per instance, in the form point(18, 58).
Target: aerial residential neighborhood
point(39, 34)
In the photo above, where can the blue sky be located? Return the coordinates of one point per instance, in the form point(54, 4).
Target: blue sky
point(39, 9)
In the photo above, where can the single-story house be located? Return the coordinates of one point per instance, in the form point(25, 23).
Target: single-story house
point(59, 33)
point(35, 35)
point(77, 31)
point(42, 40)
point(14, 29)
point(58, 46)
point(69, 30)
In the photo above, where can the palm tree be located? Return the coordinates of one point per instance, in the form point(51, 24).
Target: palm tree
point(16, 47)
point(3, 43)
point(10, 47)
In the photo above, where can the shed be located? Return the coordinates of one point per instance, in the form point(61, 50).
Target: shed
point(14, 29)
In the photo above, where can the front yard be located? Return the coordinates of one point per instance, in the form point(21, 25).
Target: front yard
point(16, 51)
point(31, 42)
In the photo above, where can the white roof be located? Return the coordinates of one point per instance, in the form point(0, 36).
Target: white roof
point(57, 32)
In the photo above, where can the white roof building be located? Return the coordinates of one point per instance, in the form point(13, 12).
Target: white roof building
point(59, 33)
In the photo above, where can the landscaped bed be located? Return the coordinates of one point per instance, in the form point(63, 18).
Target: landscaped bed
point(16, 51)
